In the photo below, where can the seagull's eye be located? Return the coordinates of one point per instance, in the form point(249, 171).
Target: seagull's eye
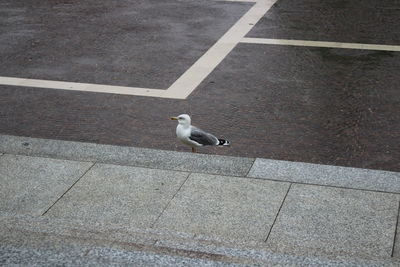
point(180, 118)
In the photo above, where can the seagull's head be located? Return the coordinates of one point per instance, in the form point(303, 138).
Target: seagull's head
point(183, 119)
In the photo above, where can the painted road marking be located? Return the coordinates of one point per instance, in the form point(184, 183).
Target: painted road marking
point(321, 44)
point(88, 87)
point(185, 84)
point(193, 76)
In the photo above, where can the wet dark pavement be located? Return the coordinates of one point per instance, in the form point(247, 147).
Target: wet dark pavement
point(127, 43)
point(319, 105)
point(357, 21)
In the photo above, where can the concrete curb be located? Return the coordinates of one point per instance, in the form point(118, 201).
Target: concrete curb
point(317, 174)
point(130, 156)
point(278, 170)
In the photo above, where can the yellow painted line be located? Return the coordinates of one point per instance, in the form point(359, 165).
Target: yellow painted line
point(321, 44)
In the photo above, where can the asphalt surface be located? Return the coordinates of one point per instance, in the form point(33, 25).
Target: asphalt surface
point(128, 43)
point(319, 105)
point(358, 21)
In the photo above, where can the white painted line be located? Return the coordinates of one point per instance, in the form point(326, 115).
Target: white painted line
point(321, 44)
point(88, 87)
point(185, 84)
point(207, 63)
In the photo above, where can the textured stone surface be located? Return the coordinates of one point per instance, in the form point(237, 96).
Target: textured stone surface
point(326, 175)
point(396, 248)
point(317, 220)
point(127, 155)
point(35, 249)
point(264, 257)
point(225, 208)
point(98, 257)
point(33, 240)
point(32, 184)
point(120, 195)
point(28, 240)
point(80, 229)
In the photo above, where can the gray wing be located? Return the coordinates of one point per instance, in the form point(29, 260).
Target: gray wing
point(202, 137)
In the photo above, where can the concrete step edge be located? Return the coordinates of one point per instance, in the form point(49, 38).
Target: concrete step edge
point(124, 155)
point(277, 170)
point(171, 243)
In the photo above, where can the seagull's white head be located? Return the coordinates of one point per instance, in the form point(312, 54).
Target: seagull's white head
point(183, 119)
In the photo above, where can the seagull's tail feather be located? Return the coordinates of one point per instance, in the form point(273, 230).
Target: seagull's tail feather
point(223, 142)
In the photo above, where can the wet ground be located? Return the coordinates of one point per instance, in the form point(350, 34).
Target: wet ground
point(146, 43)
point(310, 104)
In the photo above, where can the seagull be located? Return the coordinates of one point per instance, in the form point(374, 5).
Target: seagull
point(193, 136)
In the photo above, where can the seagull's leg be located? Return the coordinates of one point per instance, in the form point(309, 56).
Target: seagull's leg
point(193, 149)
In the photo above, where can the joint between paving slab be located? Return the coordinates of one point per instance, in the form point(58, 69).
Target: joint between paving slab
point(300, 183)
point(169, 202)
point(252, 164)
point(322, 185)
point(87, 252)
point(329, 175)
point(395, 230)
point(277, 214)
point(94, 163)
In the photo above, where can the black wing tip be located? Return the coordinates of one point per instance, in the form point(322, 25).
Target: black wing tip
point(223, 142)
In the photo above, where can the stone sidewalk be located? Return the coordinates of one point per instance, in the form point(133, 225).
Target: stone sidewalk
point(81, 203)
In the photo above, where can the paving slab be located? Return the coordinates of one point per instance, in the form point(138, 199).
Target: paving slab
point(120, 195)
point(224, 208)
point(32, 184)
point(133, 156)
point(300, 172)
point(351, 21)
point(316, 220)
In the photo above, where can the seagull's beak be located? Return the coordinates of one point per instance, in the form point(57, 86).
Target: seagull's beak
point(174, 118)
